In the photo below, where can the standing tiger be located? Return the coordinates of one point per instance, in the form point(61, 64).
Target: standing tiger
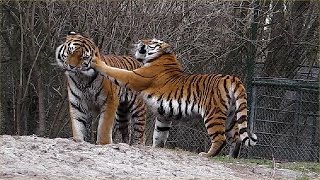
point(220, 100)
point(90, 92)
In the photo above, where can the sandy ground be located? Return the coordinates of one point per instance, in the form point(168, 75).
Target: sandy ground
point(31, 157)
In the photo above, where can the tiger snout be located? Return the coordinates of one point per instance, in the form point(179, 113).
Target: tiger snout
point(142, 50)
point(85, 66)
point(71, 67)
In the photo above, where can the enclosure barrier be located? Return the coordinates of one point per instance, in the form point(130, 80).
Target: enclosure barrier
point(285, 117)
point(284, 114)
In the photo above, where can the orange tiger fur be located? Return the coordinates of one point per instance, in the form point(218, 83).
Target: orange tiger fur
point(220, 100)
point(172, 92)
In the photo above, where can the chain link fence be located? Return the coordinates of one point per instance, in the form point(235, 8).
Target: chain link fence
point(285, 118)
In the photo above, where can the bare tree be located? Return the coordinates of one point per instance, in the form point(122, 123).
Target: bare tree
point(208, 37)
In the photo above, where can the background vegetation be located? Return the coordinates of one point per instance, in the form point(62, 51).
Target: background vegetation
point(280, 36)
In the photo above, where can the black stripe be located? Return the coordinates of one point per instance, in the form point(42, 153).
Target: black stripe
point(223, 102)
point(139, 123)
point(133, 109)
point(105, 101)
point(241, 108)
point(223, 113)
point(163, 128)
point(171, 109)
point(99, 91)
point(149, 96)
point(132, 102)
point(116, 82)
point(159, 98)
point(179, 109)
point(253, 139)
point(245, 139)
point(74, 94)
point(214, 124)
point(192, 106)
point(243, 95)
point(121, 128)
point(81, 120)
point(75, 82)
point(92, 79)
point(129, 63)
point(225, 85)
point(161, 111)
point(243, 130)
point(136, 114)
point(242, 119)
point(190, 79)
point(179, 116)
point(122, 120)
point(61, 50)
point(231, 126)
point(215, 134)
point(77, 108)
point(168, 98)
point(237, 86)
point(142, 75)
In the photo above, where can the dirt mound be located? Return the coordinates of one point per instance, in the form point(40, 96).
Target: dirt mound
point(31, 157)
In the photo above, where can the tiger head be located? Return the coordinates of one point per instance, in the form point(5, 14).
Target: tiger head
point(76, 53)
point(147, 50)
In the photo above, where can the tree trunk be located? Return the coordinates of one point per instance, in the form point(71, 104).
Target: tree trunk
point(41, 105)
point(236, 55)
point(20, 85)
point(276, 50)
point(284, 56)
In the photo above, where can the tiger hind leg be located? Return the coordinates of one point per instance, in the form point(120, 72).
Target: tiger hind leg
point(248, 138)
point(233, 139)
point(161, 131)
point(122, 119)
point(216, 130)
point(138, 117)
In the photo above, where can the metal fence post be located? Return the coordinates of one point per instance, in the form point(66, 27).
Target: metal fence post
point(251, 61)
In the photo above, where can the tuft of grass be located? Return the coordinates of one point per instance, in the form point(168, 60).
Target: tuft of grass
point(301, 166)
point(302, 178)
point(243, 161)
point(304, 167)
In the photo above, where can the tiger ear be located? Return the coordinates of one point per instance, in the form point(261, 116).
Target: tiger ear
point(167, 48)
point(72, 33)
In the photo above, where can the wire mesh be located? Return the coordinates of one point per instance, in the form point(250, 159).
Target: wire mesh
point(286, 121)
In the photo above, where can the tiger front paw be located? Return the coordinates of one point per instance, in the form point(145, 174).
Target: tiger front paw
point(77, 139)
point(204, 154)
point(97, 63)
point(104, 140)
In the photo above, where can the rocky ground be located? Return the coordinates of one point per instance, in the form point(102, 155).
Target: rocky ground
point(31, 157)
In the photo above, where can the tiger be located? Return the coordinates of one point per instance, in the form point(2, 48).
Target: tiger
point(221, 100)
point(89, 93)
